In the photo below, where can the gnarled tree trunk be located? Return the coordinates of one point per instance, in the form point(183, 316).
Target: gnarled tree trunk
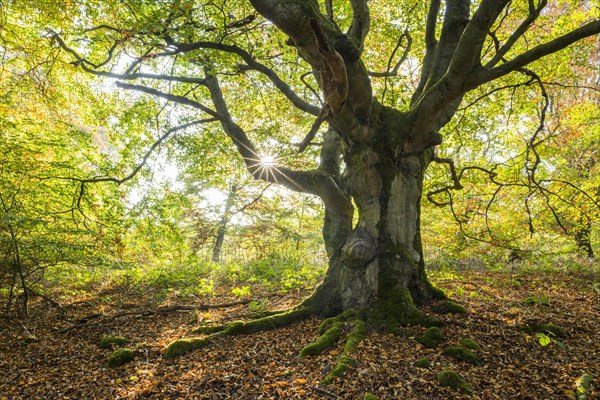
point(377, 266)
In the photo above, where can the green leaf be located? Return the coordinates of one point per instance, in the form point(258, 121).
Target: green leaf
point(543, 339)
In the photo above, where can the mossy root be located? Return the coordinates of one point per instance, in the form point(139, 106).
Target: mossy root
point(345, 362)
point(120, 357)
point(449, 307)
point(182, 346)
point(329, 332)
point(453, 380)
point(431, 338)
point(108, 341)
point(464, 354)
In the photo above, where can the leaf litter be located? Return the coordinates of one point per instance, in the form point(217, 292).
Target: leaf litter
point(264, 365)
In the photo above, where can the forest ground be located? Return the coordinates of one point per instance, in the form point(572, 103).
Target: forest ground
point(71, 365)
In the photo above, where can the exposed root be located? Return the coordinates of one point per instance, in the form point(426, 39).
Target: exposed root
point(388, 314)
point(182, 346)
point(330, 331)
point(98, 319)
point(344, 362)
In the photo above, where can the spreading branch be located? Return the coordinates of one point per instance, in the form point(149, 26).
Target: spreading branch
point(315, 182)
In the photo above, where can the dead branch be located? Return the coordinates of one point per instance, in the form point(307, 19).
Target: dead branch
point(98, 319)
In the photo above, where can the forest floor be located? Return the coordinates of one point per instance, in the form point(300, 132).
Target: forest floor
point(71, 365)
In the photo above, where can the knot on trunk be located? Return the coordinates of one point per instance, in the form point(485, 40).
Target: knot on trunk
point(359, 250)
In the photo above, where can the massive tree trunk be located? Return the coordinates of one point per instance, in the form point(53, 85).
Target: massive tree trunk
point(377, 265)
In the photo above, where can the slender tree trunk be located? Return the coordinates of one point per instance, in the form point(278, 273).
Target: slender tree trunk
point(581, 234)
point(222, 229)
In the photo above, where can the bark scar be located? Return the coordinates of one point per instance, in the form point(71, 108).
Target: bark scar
point(359, 250)
point(334, 79)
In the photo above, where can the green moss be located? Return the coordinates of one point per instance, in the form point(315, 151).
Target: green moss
point(272, 321)
point(391, 312)
point(469, 344)
point(328, 323)
point(369, 396)
point(461, 353)
point(453, 380)
point(278, 320)
point(325, 341)
point(556, 330)
point(422, 363)
point(120, 357)
point(182, 346)
point(107, 342)
point(449, 307)
point(345, 362)
point(431, 338)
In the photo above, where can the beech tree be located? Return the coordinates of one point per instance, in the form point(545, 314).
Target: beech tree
point(378, 111)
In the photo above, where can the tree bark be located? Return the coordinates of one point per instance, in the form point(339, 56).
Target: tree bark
point(222, 229)
point(378, 267)
point(581, 234)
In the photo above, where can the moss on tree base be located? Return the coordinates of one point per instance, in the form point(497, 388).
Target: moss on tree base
point(399, 310)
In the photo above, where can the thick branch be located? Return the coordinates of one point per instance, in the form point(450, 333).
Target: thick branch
point(430, 47)
point(252, 63)
point(361, 21)
point(315, 182)
point(172, 97)
point(468, 51)
point(487, 75)
point(534, 13)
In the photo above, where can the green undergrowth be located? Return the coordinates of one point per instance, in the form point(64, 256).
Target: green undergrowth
point(193, 278)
